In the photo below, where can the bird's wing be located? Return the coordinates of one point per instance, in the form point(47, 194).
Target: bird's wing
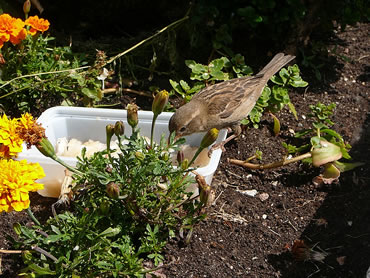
point(223, 98)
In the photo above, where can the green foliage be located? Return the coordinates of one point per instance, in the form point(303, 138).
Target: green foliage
point(111, 237)
point(36, 73)
point(217, 70)
point(277, 98)
point(321, 114)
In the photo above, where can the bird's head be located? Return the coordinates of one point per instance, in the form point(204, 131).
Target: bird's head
point(188, 119)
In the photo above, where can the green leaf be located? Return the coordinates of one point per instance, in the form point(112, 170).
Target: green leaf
point(176, 86)
point(292, 109)
point(55, 229)
point(216, 65)
point(184, 85)
point(53, 238)
point(276, 125)
point(345, 166)
point(41, 270)
point(91, 93)
point(110, 232)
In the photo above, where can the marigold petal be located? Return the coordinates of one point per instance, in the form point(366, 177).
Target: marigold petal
point(17, 179)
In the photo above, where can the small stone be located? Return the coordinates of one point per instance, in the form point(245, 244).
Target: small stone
point(291, 131)
point(274, 183)
point(303, 117)
point(345, 79)
point(263, 196)
point(349, 223)
point(264, 216)
point(251, 193)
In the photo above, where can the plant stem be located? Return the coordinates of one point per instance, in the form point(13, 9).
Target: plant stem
point(30, 213)
point(196, 155)
point(41, 73)
point(152, 130)
point(269, 165)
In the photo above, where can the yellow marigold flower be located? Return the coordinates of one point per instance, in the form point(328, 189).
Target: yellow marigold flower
point(11, 29)
point(10, 140)
point(17, 179)
point(37, 24)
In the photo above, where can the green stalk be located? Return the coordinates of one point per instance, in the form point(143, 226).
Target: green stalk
point(30, 214)
point(152, 130)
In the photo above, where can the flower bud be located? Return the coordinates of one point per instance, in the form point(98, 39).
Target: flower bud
point(46, 148)
point(325, 152)
point(185, 164)
point(109, 132)
point(159, 102)
point(206, 195)
point(209, 138)
point(26, 7)
point(132, 117)
point(113, 190)
point(119, 128)
point(180, 157)
point(139, 155)
point(165, 156)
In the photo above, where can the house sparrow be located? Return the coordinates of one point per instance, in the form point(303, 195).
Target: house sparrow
point(225, 104)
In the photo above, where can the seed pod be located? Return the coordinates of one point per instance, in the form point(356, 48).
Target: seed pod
point(132, 117)
point(119, 128)
point(159, 102)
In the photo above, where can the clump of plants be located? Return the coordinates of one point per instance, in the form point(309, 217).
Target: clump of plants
point(35, 74)
point(124, 207)
point(325, 148)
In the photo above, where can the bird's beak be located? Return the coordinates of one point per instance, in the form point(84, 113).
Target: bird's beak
point(177, 137)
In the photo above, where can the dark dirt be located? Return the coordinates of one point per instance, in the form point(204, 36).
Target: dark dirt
point(246, 237)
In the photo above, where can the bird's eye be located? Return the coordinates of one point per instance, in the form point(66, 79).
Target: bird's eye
point(182, 129)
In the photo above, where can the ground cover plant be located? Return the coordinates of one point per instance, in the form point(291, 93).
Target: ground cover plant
point(290, 224)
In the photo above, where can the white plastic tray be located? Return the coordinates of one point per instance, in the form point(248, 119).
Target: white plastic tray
point(89, 123)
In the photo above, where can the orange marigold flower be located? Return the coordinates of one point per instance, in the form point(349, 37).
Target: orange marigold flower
point(17, 179)
point(37, 24)
point(11, 29)
point(10, 140)
point(30, 131)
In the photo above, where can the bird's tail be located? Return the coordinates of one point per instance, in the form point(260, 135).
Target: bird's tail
point(279, 61)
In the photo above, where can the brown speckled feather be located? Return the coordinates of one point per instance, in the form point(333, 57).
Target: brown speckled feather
point(224, 104)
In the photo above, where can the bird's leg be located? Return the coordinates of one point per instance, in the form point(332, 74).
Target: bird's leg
point(237, 131)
